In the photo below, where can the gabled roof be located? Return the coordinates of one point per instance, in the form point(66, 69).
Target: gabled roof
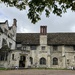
point(52, 38)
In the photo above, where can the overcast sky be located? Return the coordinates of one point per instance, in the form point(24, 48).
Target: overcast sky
point(54, 24)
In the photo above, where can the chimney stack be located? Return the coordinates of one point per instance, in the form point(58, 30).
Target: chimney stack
point(15, 22)
point(43, 30)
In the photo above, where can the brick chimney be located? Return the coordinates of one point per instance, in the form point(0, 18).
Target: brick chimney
point(43, 30)
point(15, 22)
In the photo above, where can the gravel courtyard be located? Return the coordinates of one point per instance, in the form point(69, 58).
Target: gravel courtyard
point(37, 72)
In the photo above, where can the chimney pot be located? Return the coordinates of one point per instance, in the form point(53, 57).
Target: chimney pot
point(43, 30)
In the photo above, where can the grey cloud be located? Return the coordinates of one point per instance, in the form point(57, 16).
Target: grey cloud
point(54, 23)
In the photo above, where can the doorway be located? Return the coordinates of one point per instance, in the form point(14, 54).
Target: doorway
point(22, 61)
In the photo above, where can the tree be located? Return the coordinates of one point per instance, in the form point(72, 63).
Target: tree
point(36, 7)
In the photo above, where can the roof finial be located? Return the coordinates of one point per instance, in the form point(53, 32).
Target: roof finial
point(14, 22)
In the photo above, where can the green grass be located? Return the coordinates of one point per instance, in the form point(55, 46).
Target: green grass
point(38, 68)
point(3, 69)
point(56, 68)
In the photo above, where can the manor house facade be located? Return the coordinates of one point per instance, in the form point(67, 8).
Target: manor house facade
point(36, 50)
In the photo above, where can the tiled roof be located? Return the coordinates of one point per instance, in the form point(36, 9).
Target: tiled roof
point(28, 38)
point(61, 38)
point(52, 38)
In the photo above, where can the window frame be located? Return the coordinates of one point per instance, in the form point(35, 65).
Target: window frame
point(55, 47)
point(5, 31)
point(24, 48)
point(10, 45)
point(55, 61)
point(13, 55)
point(42, 61)
point(74, 48)
point(33, 47)
point(31, 60)
point(43, 47)
point(74, 58)
point(2, 57)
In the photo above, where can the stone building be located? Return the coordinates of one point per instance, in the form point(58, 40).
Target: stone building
point(7, 41)
point(37, 50)
point(51, 50)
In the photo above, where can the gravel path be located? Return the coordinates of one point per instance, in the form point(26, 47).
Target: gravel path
point(38, 72)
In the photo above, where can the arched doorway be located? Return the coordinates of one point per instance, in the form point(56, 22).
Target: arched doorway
point(31, 60)
point(22, 61)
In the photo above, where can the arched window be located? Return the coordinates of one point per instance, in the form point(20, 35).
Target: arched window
point(31, 60)
point(42, 61)
point(55, 61)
